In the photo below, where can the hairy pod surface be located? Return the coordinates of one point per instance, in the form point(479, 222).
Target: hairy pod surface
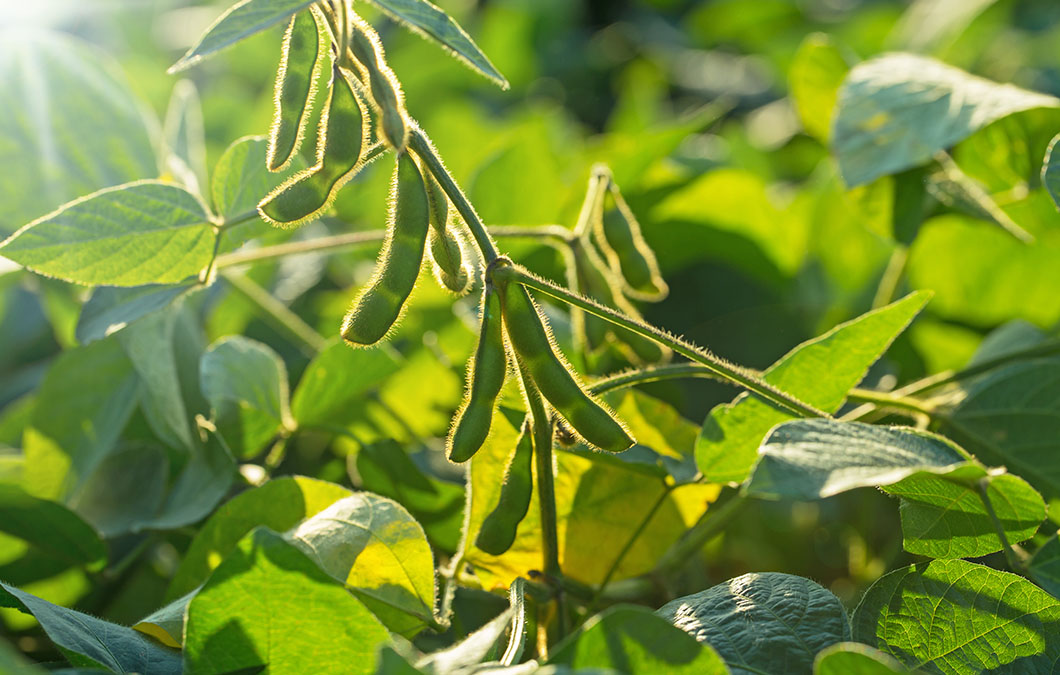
point(386, 90)
point(378, 307)
point(485, 377)
point(446, 245)
point(533, 345)
point(621, 240)
point(500, 526)
point(342, 138)
point(296, 77)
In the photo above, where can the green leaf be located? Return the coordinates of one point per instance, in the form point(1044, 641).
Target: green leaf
point(246, 384)
point(430, 21)
point(110, 309)
point(185, 137)
point(1051, 171)
point(279, 505)
point(124, 490)
point(819, 372)
point(97, 390)
point(88, 641)
point(166, 624)
point(1045, 566)
point(854, 658)
point(253, 612)
point(336, 381)
point(897, 110)
point(814, 78)
point(944, 519)
point(204, 481)
point(240, 21)
point(1012, 417)
point(385, 468)
point(816, 458)
point(770, 622)
point(380, 552)
point(957, 617)
point(633, 639)
point(464, 656)
point(51, 528)
point(70, 123)
point(134, 234)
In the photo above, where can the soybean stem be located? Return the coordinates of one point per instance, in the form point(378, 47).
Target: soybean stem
point(891, 400)
point(303, 335)
point(892, 275)
point(742, 377)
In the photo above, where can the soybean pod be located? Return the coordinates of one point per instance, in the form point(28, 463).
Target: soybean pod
point(445, 244)
point(485, 378)
point(386, 90)
point(342, 137)
point(300, 61)
point(627, 252)
point(499, 528)
point(533, 345)
point(377, 308)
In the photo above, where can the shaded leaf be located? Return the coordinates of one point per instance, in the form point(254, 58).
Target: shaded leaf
point(336, 381)
point(134, 234)
point(166, 624)
point(185, 137)
point(958, 617)
point(122, 492)
point(202, 483)
point(1045, 566)
point(51, 528)
point(110, 309)
point(767, 622)
point(1051, 171)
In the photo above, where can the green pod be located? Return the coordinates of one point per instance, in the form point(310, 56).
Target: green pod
point(485, 378)
point(386, 90)
point(342, 138)
point(378, 307)
point(445, 243)
point(533, 345)
point(621, 240)
point(499, 528)
point(300, 60)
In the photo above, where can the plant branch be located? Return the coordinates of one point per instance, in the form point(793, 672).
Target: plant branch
point(303, 335)
point(743, 377)
point(706, 528)
point(333, 243)
point(892, 276)
point(891, 400)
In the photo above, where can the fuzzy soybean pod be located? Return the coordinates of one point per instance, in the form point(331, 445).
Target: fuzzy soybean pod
point(485, 378)
point(342, 137)
point(533, 345)
point(621, 240)
point(296, 77)
point(445, 243)
point(377, 308)
point(386, 90)
point(499, 528)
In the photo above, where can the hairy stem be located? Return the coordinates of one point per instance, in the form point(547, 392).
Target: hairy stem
point(742, 377)
point(283, 319)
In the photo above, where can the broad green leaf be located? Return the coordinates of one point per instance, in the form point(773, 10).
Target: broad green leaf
point(1012, 417)
point(134, 234)
point(70, 124)
point(279, 505)
point(954, 616)
point(240, 21)
point(166, 624)
point(253, 612)
point(816, 72)
point(1051, 171)
point(185, 137)
point(981, 275)
point(97, 390)
point(246, 384)
point(380, 552)
point(110, 309)
point(1045, 566)
point(50, 528)
point(656, 424)
point(763, 623)
point(385, 468)
point(336, 381)
point(632, 639)
point(466, 655)
point(202, 483)
point(854, 658)
point(929, 25)
point(430, 21)
point(820, 372)
point(124, 490)
point(944, 519)
point(897, 110)
point(91, 642)
point(812, 459)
